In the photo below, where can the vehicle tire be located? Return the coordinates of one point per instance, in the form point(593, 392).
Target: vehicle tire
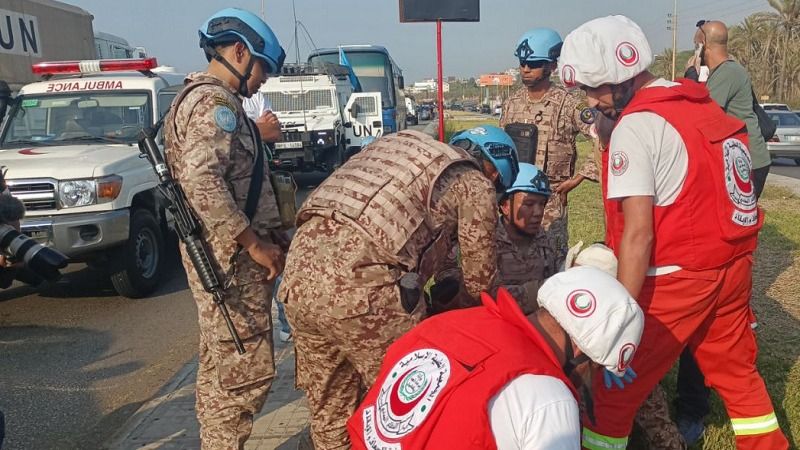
point(335, 157)
point(141, 258)
point(797, 161)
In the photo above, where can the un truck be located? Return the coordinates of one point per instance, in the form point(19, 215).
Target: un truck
point(323, 121)
point(32, 31)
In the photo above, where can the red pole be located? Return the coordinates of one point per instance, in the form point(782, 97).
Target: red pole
point(440, 84)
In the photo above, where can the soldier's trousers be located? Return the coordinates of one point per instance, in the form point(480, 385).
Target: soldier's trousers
point(232, 388)
point(555, 224)
point(653, 418)
point(338, 359)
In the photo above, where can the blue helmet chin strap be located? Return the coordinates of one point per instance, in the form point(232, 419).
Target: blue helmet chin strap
point(212, 53)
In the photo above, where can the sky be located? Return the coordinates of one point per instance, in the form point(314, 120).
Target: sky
point(168, 28)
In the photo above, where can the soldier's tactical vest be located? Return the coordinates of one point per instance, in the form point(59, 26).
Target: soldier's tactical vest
point(555, 152)
point(385, 191)
point(530, 274)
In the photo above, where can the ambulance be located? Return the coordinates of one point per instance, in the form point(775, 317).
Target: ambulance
point(69, 144)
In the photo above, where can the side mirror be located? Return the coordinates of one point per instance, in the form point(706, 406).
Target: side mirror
point(5, 98)
point(401, 82)
point(354, 110)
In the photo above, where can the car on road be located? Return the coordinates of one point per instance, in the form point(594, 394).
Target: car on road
point(775, 107)
point(486, 109)
point(786, 142)
point(457, 107)
point(425, 113)
point(498, 110)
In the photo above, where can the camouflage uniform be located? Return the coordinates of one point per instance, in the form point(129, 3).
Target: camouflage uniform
point(391, 209)
point(211, 151)
point(523, 267)
point(557, 117)
point(653, 418)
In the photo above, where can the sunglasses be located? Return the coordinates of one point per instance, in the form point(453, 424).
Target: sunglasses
point(533, 64)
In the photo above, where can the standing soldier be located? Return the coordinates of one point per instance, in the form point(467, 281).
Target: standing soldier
point(386, 217)
point(212, 150)
point(553, 118)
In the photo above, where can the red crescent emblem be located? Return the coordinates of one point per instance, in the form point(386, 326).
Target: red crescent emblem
point(30, 152)
point(627, 54)
point(400, 408)
point(745, 186)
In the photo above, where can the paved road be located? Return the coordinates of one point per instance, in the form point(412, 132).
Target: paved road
point(786, 167)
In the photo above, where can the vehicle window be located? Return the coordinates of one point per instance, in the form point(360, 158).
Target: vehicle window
point(373, 69)
point(48, 119)
point(789, 120)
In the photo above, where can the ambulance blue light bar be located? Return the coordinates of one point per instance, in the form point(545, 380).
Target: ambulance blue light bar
point(94, 66)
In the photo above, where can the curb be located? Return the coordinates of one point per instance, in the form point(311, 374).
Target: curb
point(793, 184)
point(147, 408)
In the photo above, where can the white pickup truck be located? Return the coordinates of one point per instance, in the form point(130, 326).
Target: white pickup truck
point(70, 146)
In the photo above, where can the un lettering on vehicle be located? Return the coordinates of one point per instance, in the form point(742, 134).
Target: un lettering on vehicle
point(362, 130)
point(19, 34)
point(70, 86)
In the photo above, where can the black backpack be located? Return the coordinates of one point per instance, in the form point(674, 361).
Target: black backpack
point(767, 126)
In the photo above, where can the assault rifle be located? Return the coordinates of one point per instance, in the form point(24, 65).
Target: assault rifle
point(187, 225)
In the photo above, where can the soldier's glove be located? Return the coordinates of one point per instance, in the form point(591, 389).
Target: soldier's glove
point(628, 377)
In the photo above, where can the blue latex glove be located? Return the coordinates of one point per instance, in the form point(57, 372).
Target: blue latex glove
point(628, 377)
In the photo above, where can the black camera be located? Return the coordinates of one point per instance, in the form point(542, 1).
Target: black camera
point(42, 261)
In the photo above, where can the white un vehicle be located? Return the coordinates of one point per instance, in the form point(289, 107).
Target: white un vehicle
point(322, 119)
point(70, 145)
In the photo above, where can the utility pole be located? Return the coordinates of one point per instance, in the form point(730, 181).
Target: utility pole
point(263, 12)
point(672, 24)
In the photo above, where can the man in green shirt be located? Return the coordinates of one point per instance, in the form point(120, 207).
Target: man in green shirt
point(730, 86)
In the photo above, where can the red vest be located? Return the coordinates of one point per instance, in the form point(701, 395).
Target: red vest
point(715, 218)
point(436, 381)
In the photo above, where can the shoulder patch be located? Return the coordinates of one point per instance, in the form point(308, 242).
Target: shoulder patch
point(225, 118)
point(618, 161)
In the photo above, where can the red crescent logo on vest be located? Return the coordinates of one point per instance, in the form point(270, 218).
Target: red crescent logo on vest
point(627, 54)
point(737, 171)
point(407, 393)
point(568, 76)
point(30, 152)
point(625, 356)
point(581, 303)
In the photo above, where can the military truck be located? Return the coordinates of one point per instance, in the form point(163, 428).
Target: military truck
point(323, 121)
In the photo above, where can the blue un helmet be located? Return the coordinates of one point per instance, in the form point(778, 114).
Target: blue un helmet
point(539, 44)
point(494, 145)
point(233, 24)
point(530, 180)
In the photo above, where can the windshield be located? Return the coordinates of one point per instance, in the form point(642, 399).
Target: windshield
point(56, 119)
point(373, 69)
point(785, 120)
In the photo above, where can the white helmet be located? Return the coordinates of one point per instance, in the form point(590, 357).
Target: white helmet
point(608, 50)
point(597, 312)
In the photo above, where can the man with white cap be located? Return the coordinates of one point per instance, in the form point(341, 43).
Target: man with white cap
point(681, 216)
point(653, 417)
point(491, 377)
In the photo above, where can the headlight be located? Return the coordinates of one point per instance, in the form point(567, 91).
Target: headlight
point(324, 138)
point(77, 193)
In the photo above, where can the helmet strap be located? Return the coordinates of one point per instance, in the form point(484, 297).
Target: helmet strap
point(243, 90)
point(569, 366)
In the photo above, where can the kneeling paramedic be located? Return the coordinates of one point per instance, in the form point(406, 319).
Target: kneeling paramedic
point(491, 377)
point(389, 215)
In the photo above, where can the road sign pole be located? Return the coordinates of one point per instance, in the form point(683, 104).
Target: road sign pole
point(440, 82)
